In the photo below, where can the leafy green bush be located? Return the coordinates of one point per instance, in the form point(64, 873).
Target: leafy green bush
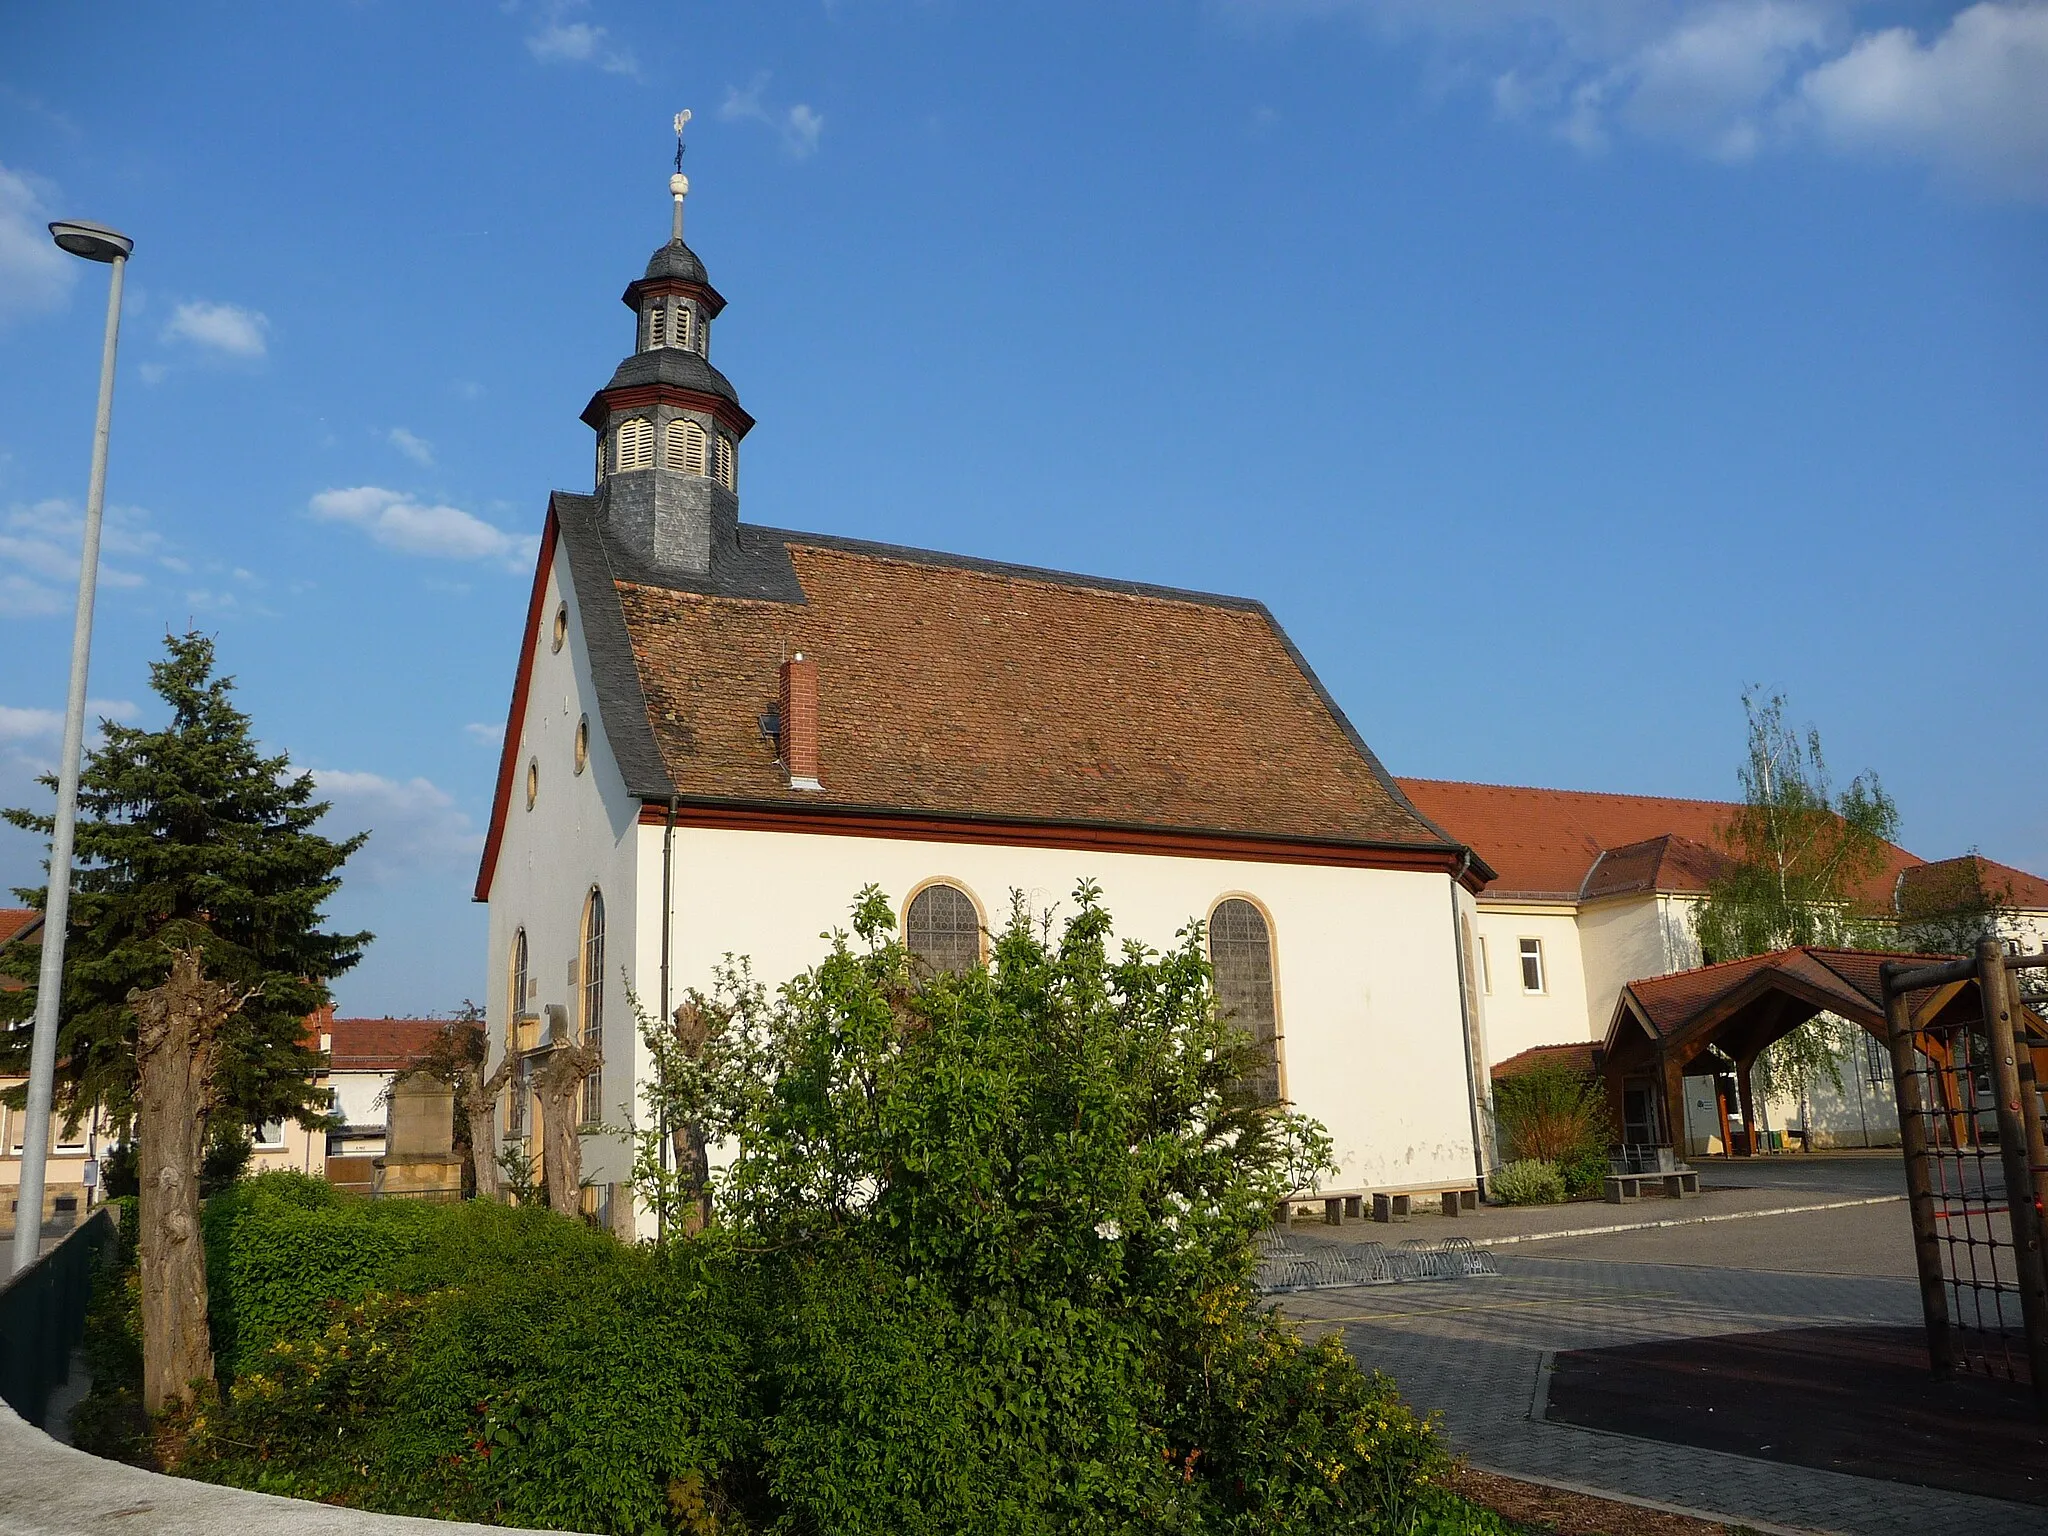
point(1554, 1113)
point(1584, 1170)
point(1529, 1182)
point(983, 1262)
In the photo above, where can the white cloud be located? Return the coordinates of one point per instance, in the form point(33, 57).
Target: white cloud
point(39, 554)
point(798, 126)
point(415, 826)
point(416, 448)
point(556, 41)
point(1973, 102)
point(485, 733)
point(397, 521)
point(35, 277)
point(153, 373)
point(225, 328)
point(1730, 79)
point(37, 724)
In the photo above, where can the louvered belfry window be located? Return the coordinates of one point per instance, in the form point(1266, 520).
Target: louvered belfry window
point(636, 443)
point(682, 446)
point(657, 327)
point(722, 463)
point(681, 327)
point(943, 929)
point(1241, 953)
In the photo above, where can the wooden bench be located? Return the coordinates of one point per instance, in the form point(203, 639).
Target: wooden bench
point(1389, 1204)
point(1629, 1186)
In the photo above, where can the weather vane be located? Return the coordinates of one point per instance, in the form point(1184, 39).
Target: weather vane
point(679, 184)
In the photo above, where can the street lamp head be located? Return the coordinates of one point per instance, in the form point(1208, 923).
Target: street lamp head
point(95, 242)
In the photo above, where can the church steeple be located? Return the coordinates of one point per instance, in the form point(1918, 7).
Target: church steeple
point(668, 424)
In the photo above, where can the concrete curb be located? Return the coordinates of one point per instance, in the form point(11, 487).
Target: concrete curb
point(1685, 1221)
point(1733, 1522)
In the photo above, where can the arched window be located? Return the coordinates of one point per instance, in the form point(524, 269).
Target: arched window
point(722, 463)
point(532, 781)
point(1241, 953)
point(657, 328)
point(515, 1103)
point(682, 446)
point(583, 743)
point(681, 326)
point(943, 929)
point(592, 975)
point(636, 443)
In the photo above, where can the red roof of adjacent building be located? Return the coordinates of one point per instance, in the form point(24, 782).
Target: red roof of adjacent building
point(1576, 845)
point(1937, 883)
point(14, 919)
point(379, 1045)
point(1577, 1054)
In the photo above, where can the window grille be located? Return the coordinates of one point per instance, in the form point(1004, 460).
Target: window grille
point(636, 443)
point(1241, 956)
point(657, 330)
point(1532, 965)
point(943, 929)
point(593, 1001)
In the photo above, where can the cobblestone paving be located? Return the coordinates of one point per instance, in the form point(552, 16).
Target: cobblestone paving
point(1472, 1350)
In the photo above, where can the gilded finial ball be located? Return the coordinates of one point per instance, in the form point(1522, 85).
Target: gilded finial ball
point(678, 185)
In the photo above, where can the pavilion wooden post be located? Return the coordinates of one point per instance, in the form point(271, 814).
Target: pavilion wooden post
point(1898, 1018)
point(2030, 1087)
point(2028, 1258)
point(1743, 1092)
point(1671, 1077)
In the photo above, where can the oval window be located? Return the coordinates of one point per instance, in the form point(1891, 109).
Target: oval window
point(582, 743)
point(532, 781)
point(561, 626)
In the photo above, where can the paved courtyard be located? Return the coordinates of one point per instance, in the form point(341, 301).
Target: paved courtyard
point(1475, 1350)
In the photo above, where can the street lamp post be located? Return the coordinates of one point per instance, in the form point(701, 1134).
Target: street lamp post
point(95, 242)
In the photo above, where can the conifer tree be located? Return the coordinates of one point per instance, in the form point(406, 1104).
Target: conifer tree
point(194, 956)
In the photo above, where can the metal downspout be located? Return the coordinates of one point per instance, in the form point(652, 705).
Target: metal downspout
point(668, 862)
point(1465, 1023)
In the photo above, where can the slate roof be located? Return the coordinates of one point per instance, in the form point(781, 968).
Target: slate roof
point(379, 1045)
point(675, 260)
point(962, 688)
point(675, 366)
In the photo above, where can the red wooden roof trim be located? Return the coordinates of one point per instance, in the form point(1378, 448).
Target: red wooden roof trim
point(912, 826)
point(515, 715)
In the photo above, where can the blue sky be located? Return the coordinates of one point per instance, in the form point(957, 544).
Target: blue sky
point(1553, 368)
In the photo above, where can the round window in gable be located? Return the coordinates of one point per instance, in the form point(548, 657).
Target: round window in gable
point(582, 743)
point(532, 781)
point(561, 625)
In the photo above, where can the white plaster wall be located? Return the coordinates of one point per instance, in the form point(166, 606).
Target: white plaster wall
point(1367, 970)
point(1621, 939)
point(581, 832)
point(1516, 1020)
point(359, 1096)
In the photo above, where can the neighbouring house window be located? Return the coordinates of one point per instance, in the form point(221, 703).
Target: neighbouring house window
point(636, 443)
point(943, 929)
point(682, 446)
point(1877, 1061)
point(583, 743)
point(270, 1135)
point(1241, 955)
point(593, 1000)
point(1532, 965)
point(1485, 968)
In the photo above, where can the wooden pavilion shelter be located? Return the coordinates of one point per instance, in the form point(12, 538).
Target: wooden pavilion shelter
point(1663, 1025)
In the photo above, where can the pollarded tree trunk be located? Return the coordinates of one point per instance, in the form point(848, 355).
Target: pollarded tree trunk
point(558, 1084)
point(480, 1105)
point(177, 1046)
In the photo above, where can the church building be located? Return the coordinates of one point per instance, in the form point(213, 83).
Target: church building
point(720, 732)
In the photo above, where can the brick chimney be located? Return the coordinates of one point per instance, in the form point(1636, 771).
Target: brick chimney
point(800, 721)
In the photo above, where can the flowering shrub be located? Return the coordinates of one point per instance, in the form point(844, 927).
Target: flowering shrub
point(1529, 1182)
point(982, 1262)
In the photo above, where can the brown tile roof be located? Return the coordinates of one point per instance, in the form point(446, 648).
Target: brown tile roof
point(1575, 1053)
point(952, 687)
point(379, 1045)
point(1850, 976)
point(14, 919)
point(1548, 843)
point(1934, 885)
